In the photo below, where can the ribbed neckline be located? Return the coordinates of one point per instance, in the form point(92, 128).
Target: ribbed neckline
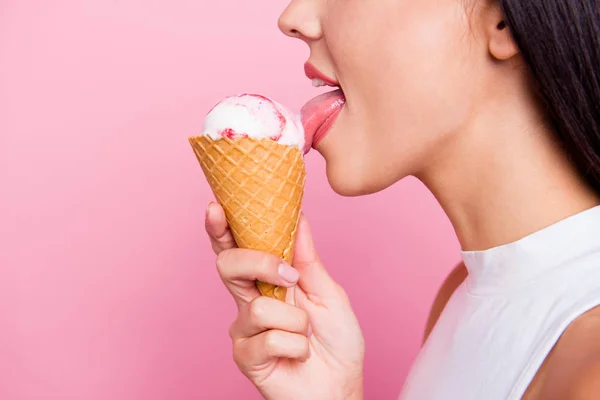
point(507, 267)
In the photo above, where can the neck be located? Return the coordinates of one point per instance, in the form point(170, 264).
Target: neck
point(511, 180)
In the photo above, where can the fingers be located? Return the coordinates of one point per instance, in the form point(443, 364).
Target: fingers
point(314, 278)
point(268, 346)
point(218, 231)
point(264, 313)
point(240, 268)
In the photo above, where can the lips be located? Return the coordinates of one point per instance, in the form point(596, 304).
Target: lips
point(319, 114)
point(313, 73)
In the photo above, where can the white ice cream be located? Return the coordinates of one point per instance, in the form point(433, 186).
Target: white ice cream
point(254, 116)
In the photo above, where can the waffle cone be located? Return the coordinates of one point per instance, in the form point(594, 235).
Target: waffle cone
point(260, 185)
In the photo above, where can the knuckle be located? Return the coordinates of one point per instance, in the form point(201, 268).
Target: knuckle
point(233, 329)
point(267, 263)
point(304, 321)
point(237, 355)
point(341, 293)
point(224, 239)
point(223, 260)
point(305, 345)
point(271, 342)
point(257, 310)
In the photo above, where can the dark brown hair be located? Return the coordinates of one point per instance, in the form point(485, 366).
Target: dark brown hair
point(560, 42)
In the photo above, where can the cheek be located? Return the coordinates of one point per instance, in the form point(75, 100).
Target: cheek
point(407, 79)
point(427, 71)
point(410, 69)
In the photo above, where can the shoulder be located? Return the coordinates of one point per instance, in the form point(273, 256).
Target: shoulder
point(453, 281)
point(586, 386)
point(572, 370)
point(585, 343)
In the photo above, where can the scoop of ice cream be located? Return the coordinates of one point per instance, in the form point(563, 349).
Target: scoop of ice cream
point(254, 116)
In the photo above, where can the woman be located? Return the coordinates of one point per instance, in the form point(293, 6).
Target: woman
point(495, 106)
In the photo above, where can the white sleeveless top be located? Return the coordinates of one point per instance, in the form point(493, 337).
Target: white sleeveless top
point(501, 323)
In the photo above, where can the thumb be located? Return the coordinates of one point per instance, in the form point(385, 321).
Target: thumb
point(314, 279)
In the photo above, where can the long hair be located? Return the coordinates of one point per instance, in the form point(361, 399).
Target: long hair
point(560, 42)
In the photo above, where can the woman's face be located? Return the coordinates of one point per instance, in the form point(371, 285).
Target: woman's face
point(410, 71)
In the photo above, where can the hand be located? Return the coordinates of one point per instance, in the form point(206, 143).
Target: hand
point(309, 347)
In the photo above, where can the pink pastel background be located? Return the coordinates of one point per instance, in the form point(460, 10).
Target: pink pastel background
point(107, 284)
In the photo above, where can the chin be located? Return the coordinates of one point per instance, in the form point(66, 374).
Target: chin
point(347, 172)
point(344, 188)
point(348, 184)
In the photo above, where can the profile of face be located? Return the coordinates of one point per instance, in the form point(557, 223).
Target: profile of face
point(415, 74)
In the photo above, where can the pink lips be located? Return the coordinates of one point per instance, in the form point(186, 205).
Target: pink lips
point(312, 72)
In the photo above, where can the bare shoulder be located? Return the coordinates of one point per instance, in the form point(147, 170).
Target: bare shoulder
point(453, 281)
point(572, 370)
point(587, 385)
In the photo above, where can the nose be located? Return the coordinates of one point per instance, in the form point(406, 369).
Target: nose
point(301, 20)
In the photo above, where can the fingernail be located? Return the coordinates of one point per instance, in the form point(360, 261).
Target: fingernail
point(208, 209)
point(288, 273)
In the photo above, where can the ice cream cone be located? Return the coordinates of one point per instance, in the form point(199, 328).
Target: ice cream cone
point(260, 185)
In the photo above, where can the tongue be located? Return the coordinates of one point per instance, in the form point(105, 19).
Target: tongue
point(316, 113)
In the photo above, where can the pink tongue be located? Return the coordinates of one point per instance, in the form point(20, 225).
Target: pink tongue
point(316, 112)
